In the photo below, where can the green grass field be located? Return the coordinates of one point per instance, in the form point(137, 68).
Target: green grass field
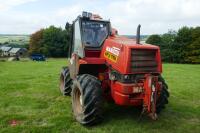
point(14, 39)
point(29, 95)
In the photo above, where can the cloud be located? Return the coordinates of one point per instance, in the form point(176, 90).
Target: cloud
point(21, 23)
point(8, 4)
point(155, 16)
point(70, 12)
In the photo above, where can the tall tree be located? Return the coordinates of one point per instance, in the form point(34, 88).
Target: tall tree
point(193, 49)
point(168, 45)
point(184, 38)
point(52, 42)
point(36, 44)
point(154, 39)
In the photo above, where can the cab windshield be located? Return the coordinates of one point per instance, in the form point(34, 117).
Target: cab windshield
point(94, 33)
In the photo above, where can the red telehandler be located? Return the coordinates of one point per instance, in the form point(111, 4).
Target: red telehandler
point(104, 65)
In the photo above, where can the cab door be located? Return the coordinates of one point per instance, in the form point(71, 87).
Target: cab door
point(77, 49)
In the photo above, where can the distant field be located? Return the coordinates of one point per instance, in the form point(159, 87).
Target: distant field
point(29, 94)
point(14, 39)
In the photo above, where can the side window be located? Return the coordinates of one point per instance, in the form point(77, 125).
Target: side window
point(78, 47)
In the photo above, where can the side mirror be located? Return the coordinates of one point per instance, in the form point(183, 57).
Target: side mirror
point(68, 26)
point(114, 32)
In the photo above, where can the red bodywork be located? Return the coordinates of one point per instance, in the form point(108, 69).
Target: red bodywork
point(116, 55)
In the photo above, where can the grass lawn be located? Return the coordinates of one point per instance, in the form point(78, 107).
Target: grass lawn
point(29, 95)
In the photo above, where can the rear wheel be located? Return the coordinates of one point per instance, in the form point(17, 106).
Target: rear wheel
point(65, 81)
point(164, 95)
point(87, 100)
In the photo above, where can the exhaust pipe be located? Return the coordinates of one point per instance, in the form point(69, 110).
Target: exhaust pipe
point(138, 34)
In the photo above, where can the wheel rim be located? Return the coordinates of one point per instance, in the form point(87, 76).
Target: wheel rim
point(78, 101)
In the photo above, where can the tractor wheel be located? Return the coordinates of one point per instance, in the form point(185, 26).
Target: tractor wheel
point(65, 82)
point(164, 95)
point(87, 100)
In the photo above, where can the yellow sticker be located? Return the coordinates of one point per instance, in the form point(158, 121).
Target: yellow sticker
point(111, 56)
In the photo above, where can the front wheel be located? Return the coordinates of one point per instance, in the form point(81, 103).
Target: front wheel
point(87, 100)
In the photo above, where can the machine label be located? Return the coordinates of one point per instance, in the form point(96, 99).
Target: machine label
point(112, 53)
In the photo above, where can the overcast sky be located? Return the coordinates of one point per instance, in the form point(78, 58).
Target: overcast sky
point(155, 16)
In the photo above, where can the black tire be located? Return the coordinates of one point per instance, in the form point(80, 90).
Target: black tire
point(87, 100)
point(65, 82)
point(164, 95)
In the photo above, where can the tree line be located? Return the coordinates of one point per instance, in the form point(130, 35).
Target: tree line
point(52, 42)
point(182, 46)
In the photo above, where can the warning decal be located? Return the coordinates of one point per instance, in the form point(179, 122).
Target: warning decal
point(111, 54)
